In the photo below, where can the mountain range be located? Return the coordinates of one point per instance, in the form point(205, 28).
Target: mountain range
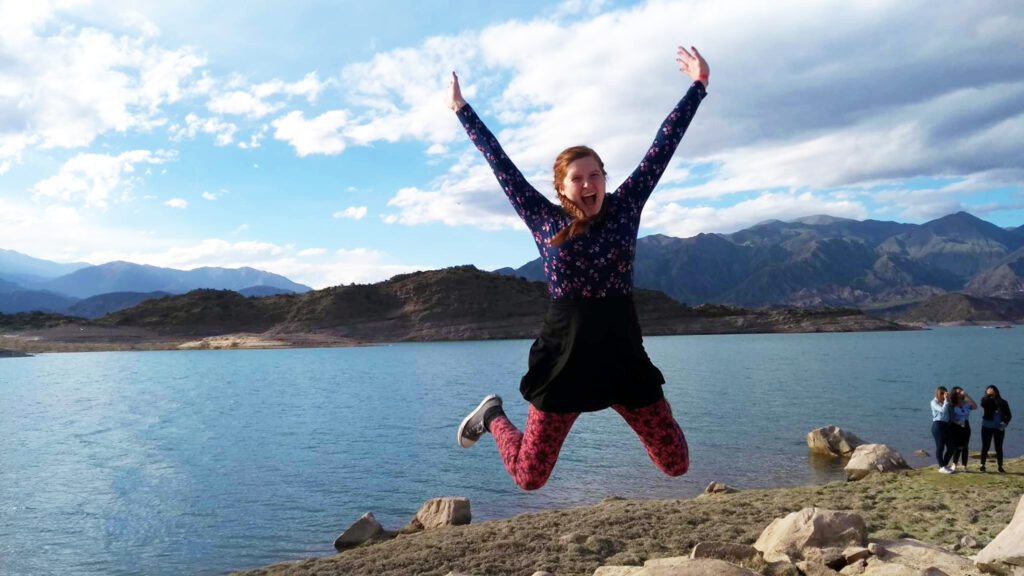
point(28, 283)
point(827, 261)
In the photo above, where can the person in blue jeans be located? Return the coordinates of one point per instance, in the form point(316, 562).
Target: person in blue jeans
point(995, 417)
point(941, 411)
point(960, 429)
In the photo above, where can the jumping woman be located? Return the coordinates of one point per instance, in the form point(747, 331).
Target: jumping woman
point(589, 355)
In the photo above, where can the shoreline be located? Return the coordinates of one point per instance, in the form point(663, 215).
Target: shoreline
point(921, 504)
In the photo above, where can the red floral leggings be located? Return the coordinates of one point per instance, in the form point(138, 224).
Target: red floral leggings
point(530, 457)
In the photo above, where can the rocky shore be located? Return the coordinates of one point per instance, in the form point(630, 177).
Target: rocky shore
point(914, 520)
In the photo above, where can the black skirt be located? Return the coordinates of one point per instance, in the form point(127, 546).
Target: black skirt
point(589, 356)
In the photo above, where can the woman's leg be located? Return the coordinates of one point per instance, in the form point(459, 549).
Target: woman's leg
point(998, 435)
point(986, 441)
point(965, 443)
point(530, 457)
point(661, 435)
point(940, 442)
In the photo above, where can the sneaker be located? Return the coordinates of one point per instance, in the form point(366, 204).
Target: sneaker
point(944, 470)
point(952, 468)
point(982, 469)
point(1001, 471)
point(472, 427)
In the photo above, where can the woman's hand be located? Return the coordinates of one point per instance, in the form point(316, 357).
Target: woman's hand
point(454, 98)
point(693, 65)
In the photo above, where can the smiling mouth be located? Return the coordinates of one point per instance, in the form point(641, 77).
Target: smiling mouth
point(590, 200)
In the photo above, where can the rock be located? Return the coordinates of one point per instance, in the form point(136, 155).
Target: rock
point(684, 566)
point(617, 570)
point(1005, 554)
point(921, 454)
point(440, 512)
point(542, 573)
point(855, 568)
point(869, 458)
point(832, 441)
point(876, 549)
point(360, 531)
point(913, 557)
point(855, 553)
point(718, 488)
point(786, 538)
point(968, 541)
point(725, 551)
point(831, 558)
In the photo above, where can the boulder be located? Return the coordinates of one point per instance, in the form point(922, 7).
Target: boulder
point(440, 512)
point(718, 488)
point(785, 538)
point(832, 441)
point(725, 551)
point(360, 531)
point(685, 566)
point(1005, 554)
point(968, 541)
point(868, 458)
point(855, 553)
point(876, 549)
point(913, 557)
point(923, 454)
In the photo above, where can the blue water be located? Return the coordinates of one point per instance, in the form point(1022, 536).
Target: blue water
point(203, 462)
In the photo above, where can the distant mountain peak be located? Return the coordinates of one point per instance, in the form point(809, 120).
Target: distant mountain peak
point(820, 220)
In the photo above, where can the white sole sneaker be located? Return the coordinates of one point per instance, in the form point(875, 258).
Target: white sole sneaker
point(472, 426)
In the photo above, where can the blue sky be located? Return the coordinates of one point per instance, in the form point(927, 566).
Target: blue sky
point(312, 140)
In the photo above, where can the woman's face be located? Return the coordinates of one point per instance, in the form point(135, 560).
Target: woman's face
point(990, 392)
point(584, 184)
point(940, 395)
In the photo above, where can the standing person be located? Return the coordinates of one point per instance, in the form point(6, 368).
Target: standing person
point(960, 431)
point(940, 428)
point(589, 355)
point(995, 416)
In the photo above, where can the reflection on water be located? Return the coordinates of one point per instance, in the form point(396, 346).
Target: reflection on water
point(825, 468)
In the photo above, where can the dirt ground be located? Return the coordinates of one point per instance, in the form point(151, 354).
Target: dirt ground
point(921, 504)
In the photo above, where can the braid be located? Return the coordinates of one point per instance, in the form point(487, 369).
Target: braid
point(580, 222)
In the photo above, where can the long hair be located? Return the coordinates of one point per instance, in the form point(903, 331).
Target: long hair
point(956, 398)
point(939, 389)
point(580, 221)
point(996, 388)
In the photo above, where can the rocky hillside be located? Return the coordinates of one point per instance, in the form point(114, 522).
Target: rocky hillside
point(460, 303)
point(965, 309)
point(826, 261)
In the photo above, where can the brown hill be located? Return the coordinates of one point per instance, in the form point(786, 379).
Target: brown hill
point(957, 308)
point(460, 303)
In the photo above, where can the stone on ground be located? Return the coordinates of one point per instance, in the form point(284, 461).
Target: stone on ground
point(869, 458)
point(1005, 554)
point(360, 531)
point(786, 538)
point(909, 556)
point(832, 441)
point(727, 551)
point(441, 512)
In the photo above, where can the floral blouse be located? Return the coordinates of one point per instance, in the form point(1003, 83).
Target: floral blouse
point(599, 263)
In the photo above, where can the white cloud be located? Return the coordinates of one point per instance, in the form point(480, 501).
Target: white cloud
point(180, 203)
point(835, 116)
point(256, 139)
point(252, 101)
point(319, 135)
point(62, 85)
point(92, 178)
point(5, 166)
point(683, 221)
point(224, 132)
point(352, 212)
point(312, 252)
point(209, 196)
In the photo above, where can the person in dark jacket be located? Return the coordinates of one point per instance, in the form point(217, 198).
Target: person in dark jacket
point(589, 355)
point(995, 417)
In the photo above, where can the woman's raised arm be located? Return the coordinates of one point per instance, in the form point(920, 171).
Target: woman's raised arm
point(638, 187)
point(531, 205)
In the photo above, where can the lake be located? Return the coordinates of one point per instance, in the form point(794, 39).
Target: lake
point(201, 462)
